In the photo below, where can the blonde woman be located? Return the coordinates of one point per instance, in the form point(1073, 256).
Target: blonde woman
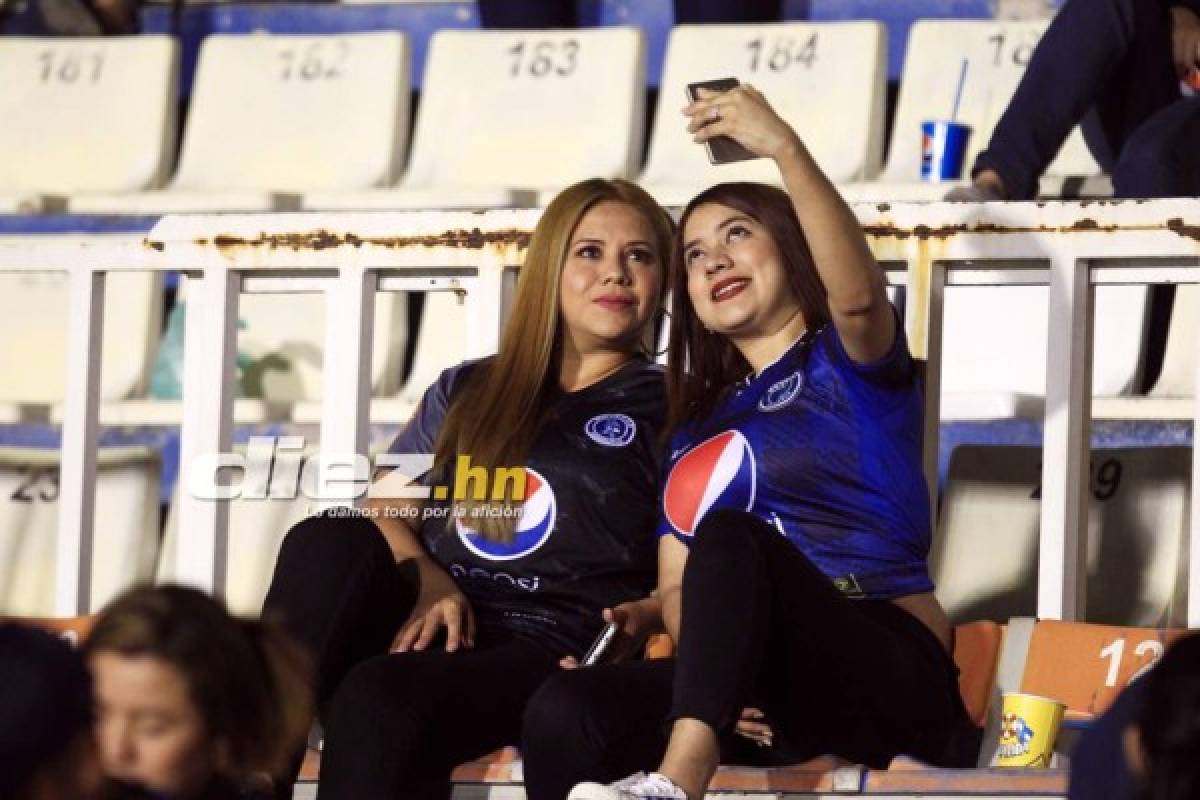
point(477, 602)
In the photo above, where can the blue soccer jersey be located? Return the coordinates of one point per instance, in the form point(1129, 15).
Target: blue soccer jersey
point(825, 450)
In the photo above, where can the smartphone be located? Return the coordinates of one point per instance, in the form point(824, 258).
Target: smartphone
point(721, 149)
point(600, 646)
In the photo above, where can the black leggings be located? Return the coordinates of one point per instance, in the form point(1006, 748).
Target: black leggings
point(761, 626)
point(395, 725)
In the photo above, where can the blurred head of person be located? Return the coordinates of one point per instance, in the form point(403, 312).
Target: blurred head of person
point(189, 697)
point(1166, 747)
point(46, 747)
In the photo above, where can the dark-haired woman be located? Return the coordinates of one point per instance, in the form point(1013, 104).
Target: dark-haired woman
point(478, 605)
point(191, 703)
point(794, 519)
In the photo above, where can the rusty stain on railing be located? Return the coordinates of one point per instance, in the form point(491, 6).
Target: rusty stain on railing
point(473, 239)
point(1086, 225)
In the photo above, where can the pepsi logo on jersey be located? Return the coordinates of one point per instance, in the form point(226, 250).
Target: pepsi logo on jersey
point(535, 524)
point(611, 430)
point(717, 473)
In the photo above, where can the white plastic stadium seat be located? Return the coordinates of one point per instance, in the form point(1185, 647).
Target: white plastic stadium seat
point(985, 554)
point(505, 113)
point(827, 79)
point(84, 115)
point(125, 544)
point(441, 342)
point(256, 531)
point(275, 115)
point(996, 52)
point(994, 348)
point(33, 328)
point(281, 343)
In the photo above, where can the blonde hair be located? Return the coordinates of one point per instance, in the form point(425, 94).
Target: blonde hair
point(497, 413)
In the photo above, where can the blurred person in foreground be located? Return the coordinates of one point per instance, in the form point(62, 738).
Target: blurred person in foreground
point(192, 703)
point(1147, 745)
point(46, 747)
point(1120, 67)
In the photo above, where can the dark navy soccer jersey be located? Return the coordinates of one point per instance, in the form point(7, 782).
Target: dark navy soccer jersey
point(825, 450)
point(585, 538)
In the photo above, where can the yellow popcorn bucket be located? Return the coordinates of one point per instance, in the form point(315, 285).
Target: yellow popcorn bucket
point(1028, 728)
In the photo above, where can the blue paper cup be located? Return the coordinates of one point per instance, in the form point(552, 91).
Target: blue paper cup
point(943, 146)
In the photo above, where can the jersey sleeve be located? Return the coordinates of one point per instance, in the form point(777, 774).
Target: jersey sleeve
point(680, 444)
point(895, 370)
point(419, 435)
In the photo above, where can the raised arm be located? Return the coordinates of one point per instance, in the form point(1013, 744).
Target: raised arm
point(853, 280)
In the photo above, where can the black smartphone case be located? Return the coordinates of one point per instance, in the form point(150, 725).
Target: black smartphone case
point(721, 149)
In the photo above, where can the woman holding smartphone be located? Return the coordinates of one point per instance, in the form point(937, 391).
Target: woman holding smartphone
point(794, 520)
point(433, 620)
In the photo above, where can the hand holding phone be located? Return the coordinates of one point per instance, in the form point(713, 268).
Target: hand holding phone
point(721, 149)
point(601, 645)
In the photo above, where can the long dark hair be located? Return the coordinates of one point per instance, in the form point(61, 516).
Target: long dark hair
point(248, 680)
point(700, 365)
point(1169, 725)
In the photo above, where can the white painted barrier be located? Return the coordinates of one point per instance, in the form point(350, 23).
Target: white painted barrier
point(1070, 247)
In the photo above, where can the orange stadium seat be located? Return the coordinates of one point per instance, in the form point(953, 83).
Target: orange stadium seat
point(73, 629)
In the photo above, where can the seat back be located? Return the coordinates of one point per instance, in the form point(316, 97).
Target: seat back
point(73, 629)
point(826, 79)
point(976, 651)
point(33, 327)
point(1178, 376)
point(293, 113)
point(281, 344)
point(126, 526)
point(441, 342)
point(1087, 666)
point(977, 357)
point(985, 555)
point(529, 109)
point(87, 114)
point(256, 531)
point(996, 52)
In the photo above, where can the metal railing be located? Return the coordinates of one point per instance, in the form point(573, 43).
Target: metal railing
point(1070, 247)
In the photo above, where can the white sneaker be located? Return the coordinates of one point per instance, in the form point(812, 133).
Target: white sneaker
point(638, 786)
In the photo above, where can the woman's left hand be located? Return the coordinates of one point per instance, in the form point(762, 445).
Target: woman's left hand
point(742, 114)
point(635, 621)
